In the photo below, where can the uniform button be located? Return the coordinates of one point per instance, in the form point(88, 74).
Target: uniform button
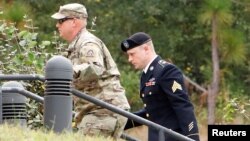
point(147, 115)
point(145, 105)
point(142, 95)
point(150, 93)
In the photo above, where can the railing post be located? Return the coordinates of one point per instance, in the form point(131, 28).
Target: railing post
point(161, 135)
point(13, 106)
point(58, 99)
point(1, 106)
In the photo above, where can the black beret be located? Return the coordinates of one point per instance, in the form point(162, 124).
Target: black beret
point(135, 40)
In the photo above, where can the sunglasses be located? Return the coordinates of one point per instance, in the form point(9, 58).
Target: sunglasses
point(60, 21)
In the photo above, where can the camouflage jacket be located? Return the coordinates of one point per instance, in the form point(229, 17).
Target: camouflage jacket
point(95, 72)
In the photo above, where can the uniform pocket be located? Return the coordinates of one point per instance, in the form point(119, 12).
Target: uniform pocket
point(97, 125)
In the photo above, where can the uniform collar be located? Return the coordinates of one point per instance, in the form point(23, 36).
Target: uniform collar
point(146, 68)
point(75, 40)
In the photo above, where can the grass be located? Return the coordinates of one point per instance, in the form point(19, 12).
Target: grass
point(18, 133)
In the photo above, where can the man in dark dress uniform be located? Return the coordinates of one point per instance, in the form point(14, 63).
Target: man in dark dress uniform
point(162, 90)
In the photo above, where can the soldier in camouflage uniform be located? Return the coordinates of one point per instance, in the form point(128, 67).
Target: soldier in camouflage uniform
point(95, 73)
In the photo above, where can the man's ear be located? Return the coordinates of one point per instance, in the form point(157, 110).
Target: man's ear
point(74, 22)
point(146, 47)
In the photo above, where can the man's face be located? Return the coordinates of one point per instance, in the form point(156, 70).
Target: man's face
point(137, 57)
point(64, 27)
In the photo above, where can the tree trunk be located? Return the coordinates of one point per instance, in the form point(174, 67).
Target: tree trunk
point(214, 87)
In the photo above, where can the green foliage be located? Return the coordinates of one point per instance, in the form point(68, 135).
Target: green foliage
point(15, 12)
point(233, 110)
point(35, 114)
point(233, 49)
point(218, 8)
point(20, 49)
point(131, 81)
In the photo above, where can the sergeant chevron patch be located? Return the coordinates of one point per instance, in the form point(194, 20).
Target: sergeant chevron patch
point(190, 126)
point(176, 86)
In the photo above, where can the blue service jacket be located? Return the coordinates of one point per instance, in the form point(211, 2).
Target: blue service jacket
point(166, 101)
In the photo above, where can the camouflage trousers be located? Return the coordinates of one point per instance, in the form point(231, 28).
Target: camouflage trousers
point(102, 125)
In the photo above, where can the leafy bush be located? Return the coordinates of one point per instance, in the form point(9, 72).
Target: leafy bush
point(130, 82)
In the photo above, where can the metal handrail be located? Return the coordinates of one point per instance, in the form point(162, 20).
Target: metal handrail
point(35, 96)
point(22, 77)
point(22, 92)
point(162, 130)
point(134, 117)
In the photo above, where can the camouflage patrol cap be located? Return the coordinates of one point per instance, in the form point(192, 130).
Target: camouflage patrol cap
point(135, 40)
point(71, 10)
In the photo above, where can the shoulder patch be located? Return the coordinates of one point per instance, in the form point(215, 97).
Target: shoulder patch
point(162, 63)
point(90, 53)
